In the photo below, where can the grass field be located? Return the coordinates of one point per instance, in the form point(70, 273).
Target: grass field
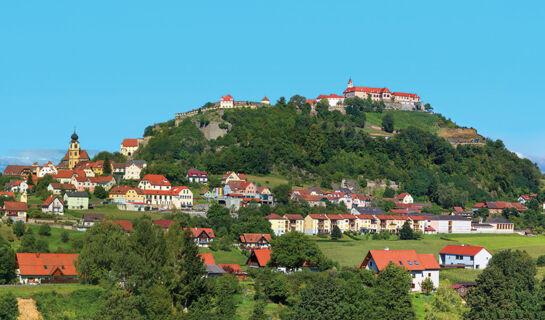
point(535, 246)
point(54, 239)
point(30, 291)
point(270, 181)
point(227, 257)
point(458, 275)
point(405, 119)
point(110, 211)
point(419, 300)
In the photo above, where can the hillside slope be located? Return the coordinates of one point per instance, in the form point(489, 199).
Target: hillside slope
point(329, 146)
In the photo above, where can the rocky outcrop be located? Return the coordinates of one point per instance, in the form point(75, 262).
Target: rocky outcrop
point(212, 130)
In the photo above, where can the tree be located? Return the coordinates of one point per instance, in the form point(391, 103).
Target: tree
point(428, 107)
point(9, 309)
point(321, 300)
point(291, 250)
point(258, 312)
point(65, 237)
point(29, 180)
point(281, 193)
point(28, 243)
point(392, 293)
point(42, 246)
point(541, 261)
point(481, 213)
point(226, 288)
point(322, 108)
point(107, 167)
point(7, 263)
point(336, 233)
point(427, 286)
point(447, 304)
point(120, 305)
point(407, 233)
point(19, 228)
point(388, 122)
point(44, 230)
point(185, 271)
point(100, 192)
point(388, 193)
point(506, 289)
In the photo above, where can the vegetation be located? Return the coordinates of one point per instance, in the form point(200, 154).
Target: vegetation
point(8, 307)
point(446, 305)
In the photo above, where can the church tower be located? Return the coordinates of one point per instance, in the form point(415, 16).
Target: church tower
point(350, 83)
point(73, 151)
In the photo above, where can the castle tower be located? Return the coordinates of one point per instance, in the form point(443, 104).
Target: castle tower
point(73, 151)
point(350, 83)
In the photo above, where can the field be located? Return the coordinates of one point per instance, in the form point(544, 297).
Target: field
point(54, 239)
point(270, 181)
point(30, 291)
point(110, 211)
point(227, 257)
point(405, 119)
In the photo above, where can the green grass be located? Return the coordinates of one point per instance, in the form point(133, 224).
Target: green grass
point(111, 211)
point(535, 246)
point(270, 180)
point(54, 240)
point(79, 304)
point(30, 291)
point(419, 300)
point(245, 302)
point(458, 275)
point(227, 257)
point(405, 119)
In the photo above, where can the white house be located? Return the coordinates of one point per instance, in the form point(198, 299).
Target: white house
point(405, 198)
point(197, 176)
point(53, 205)
point(467, 256)
point(46, 169)
point(421, 266)
point(19, 186)
point(332, 99)
point(132, 172)
point(154, 182)
point(182, 197)
point(450, 224)
point(227, 102)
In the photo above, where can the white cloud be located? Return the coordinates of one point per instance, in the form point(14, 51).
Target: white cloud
point(29, 156)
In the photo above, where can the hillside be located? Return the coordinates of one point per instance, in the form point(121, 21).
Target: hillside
point(329, 146)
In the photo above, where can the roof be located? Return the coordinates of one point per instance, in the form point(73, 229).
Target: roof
point(263, 256)
point(15, 170)
point(403, 94)
point(130, 143)
point(49, 200)
point(125, 224)
point(78, 194)
point(265, 99)
point(207, 258)
point(479, 205)
point(254, 237)
point(463, 284)
point(331, 96)
point(458, 218)
point(227, 98)
point(498, 220)
point(274, 216)
point(403, 195)
point(15, 206)
point(335, 217)
point(7, 194)
point(293, 216)
point(156, 179)
point(366, 217)
point(214, 269)
point(138, 163)
point(197, 173)
point(163, 223)
point(458, 209)
point(197, 231)
point(462, 250)
point(122, 190)
point(318, 216)
point(62, 186)
point(238, 185)
point(408, 259)
point(231, 268)
point(367, 90)
point(369, 210)
point(43, 264)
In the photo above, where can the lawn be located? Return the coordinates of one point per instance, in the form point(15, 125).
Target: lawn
point(419, 300)
point(270, 181)
point(30, 291)
point(458, 275)
point(54, 239)
point(535, 246)
point(405, 119)
point(234, 256)
point(111, 211)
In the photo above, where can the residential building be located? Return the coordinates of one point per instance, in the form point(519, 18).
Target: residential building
point(90, 219)
point(182, 197)
point(58, 188)
point(259, 258)
point(332, 99)
point(255, 240)
point(154, 182)
point(15, 210)
point(124, 194)
point(126, 225)
point(526, 198)
point(421, 266)
point(279, 224)
point(165, 224)
point(367, 223)
point(296, 222)
point(245, 188)
point(74, 155)
point(317, 223)
point(19, 186)
point(132, 171)
point(226, 102)
point(463, 256)
point(46, 169)
point(76, 200)
point(232, 176)
point(203, 236)
point(265, 195)
point(7, 194)
point(197, 176)
point(53, 205)
point(45, 267)
point(450, 224)
point(405, 198)
point(235, 270)
point(129, 146)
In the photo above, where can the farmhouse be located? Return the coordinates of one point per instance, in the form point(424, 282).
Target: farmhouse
point(53, 205)
point(197, 176)
point(259, 258)
point(464, 256)
point(15, 210)
point(203, 236)
point(421, 266)
point(255, 240)
point(50, 267)
point(77, 200)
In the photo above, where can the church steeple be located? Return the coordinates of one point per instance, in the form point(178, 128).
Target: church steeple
point(350, 83)
point(73, 151)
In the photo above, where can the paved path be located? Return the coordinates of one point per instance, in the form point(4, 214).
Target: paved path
point(28, 310)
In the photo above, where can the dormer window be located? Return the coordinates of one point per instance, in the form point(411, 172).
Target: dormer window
point(45, 267)
point(415, 262)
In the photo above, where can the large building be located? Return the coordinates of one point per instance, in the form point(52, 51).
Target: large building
point(379, 94)
point(129, 146)
point(74, 155)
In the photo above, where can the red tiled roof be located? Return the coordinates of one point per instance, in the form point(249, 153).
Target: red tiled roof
point(43, 264)
point(49, 200)
point(479, 205)
point(125, 224)
point(15, 170)
point(197, 173)
point(367, 90)
point(366, 217)
point(408, 259)
point(403, 94)
point(238, 185)
point(156, 179)
point(263, 256)
point(318, 216)
point(254, 237)
point(231, 268)
point(163, 223)
point(274, 216)
point(101, 179)
point(197, 232)
point(64, 174)
point(293, 216)
point(310, 101)
point(335, 217)
point(265, 99)
point(130, 143)
point(62, 186)
point(7, 194)
point(208, 259)
point(458, 209)
point(462, 250)
point(402, 196)
point(178, 189)
point(227, 98)
point(331, 96)
point(15, 206)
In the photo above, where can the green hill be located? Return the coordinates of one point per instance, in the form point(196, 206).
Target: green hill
point(328, 146)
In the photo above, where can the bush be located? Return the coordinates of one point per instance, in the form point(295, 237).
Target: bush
point(8, 307)
point(336, 233)
point(65, 237)
point(541, 261)
point(19, 228)
point(383, 235)
point(45, 230)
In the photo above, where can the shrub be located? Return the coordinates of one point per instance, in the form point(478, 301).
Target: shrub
point(8, 307)
point(45, 230)
point(65, 237)
point(541, 261)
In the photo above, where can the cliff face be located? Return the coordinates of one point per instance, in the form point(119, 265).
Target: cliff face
point(212, 130)
point(461, 136)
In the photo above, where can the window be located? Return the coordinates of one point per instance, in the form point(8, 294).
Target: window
point(471, 258)
point(415, 262)
point(400, 263)
point(459, 257)
point(410, 263)
point(412, 285)
point(414, 275)
point(429, 275)
point(45, 267)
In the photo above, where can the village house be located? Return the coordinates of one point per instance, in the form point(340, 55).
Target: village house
point(124, 194)
point(118, 169)
point(259, 258)
point(182, 197)
point(232, 176)
point(160, 199)
point(197, 176)
point(405, 198)
point(90, 219)
point(254, 240)
point(53, 205)
point(165, 224)
point(332, 99)
point(526, 198)
point(76, 200)
point(497, 207)
point(245, 188)
point(296, 222)
point(7, 194)
point(265, 195)
point(235, 270)
point(126, 225)
point(279, 224)
point(18, 186)
point(462, 287)
point(463, 256)
point(46, 169)
point(58, 188)
point(134, 169)
point(450, 224)
point(154, 182)
point(46, 267)
point(359, 200)
point(203, 236)
point(421, 266)
point(15, 210)
point(129, 146)
point(317, 223)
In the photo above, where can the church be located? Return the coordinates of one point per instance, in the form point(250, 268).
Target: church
point(74, 155)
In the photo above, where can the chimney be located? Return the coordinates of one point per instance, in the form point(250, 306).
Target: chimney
point(386, 249)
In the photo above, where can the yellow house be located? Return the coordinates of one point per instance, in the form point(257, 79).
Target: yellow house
point(127, 194)
point(367, 223)
point(232, 176)
point(296, 222)
point(278, 223)
point(317, 223)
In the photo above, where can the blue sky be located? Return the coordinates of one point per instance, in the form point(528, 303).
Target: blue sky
point(111, 68)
